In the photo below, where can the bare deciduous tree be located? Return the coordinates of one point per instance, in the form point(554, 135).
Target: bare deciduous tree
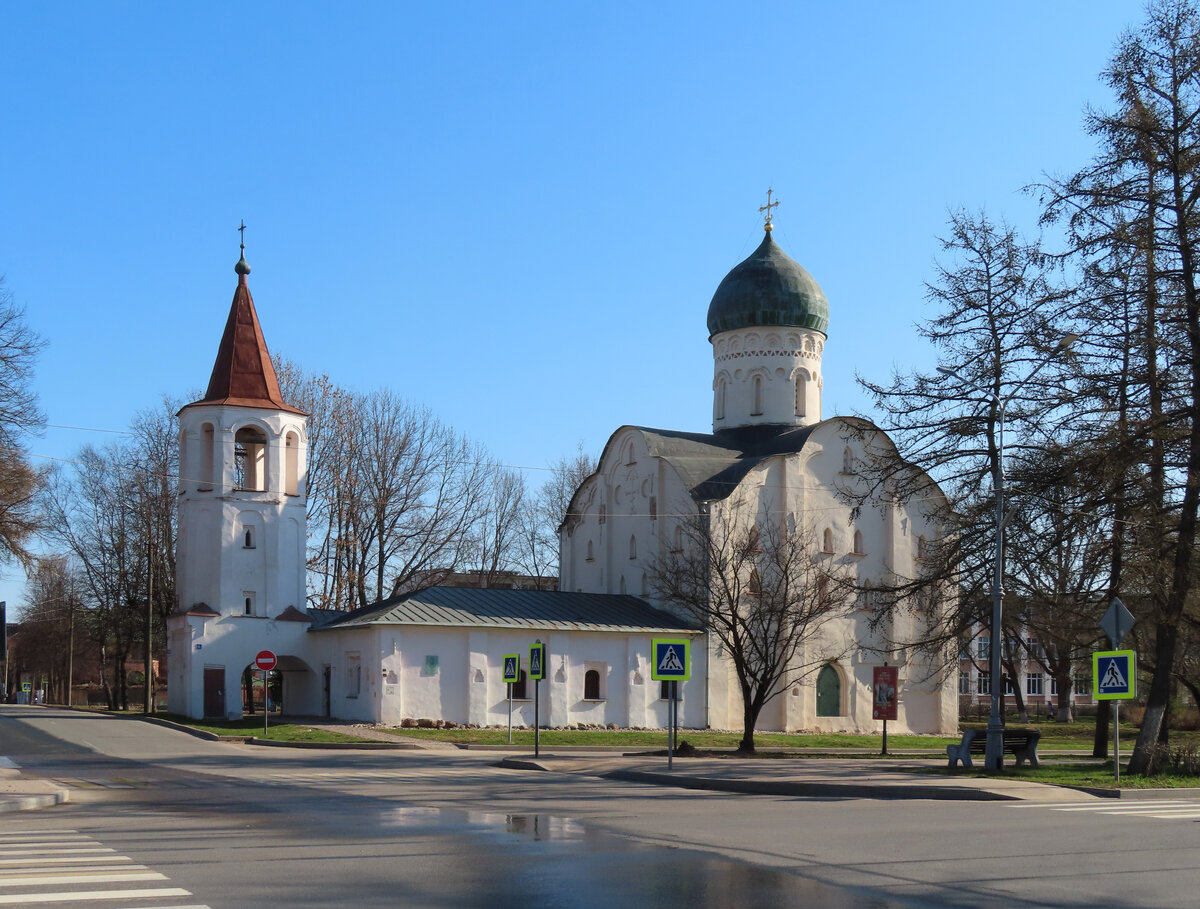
point(763, 592)
point(19, 416)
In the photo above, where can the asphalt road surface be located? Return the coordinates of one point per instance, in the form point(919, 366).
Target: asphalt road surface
point(162, 819)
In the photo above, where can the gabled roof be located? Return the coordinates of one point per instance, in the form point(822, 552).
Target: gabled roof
point(243, 375)
point(534, 610)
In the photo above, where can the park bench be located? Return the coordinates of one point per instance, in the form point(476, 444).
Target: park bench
point(1020, 743)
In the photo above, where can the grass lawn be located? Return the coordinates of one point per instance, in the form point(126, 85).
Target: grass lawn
point(1063, 737)
point(1094, 774)
point(253, 726)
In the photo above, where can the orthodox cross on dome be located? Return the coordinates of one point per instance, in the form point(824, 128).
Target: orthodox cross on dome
point(767, 208)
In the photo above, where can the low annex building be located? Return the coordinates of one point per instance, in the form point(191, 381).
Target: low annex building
point(438, 653)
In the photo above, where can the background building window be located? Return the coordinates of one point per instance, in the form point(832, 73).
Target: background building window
point(964, 682)
point(984, 685)
point(1034, 683)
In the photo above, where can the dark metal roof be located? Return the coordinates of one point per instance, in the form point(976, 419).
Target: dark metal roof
point(496, 608)
point(768, 288)
point(711, 465)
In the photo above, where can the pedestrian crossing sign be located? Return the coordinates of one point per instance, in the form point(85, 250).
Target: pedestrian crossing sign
point(671, 658)
point(537, 661)
point(1113, 675)
point(512, 668)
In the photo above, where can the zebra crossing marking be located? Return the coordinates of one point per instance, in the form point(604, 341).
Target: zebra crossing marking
point(1177, 809)
point(37, 860)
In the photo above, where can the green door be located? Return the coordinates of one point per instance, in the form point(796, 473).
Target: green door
point(829, 692)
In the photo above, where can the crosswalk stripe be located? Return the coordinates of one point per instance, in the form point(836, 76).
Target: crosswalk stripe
point(1165, 810)
point(1117, 809)
point(87, 896)
point(100, 877)
point(30, 871)
point(62, 860)
point(92, 849)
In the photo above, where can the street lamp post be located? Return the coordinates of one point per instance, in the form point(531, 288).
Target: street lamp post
point(993, 759)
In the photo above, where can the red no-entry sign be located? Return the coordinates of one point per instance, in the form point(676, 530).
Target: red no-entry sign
point(265, 660)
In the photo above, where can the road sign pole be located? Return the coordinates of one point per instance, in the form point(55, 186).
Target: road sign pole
point(1117, 740)
point(510, 713)
point(266, 704)
point(671, 729)
point(537, 690)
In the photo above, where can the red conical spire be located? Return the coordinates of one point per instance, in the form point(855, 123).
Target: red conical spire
point(243, 375)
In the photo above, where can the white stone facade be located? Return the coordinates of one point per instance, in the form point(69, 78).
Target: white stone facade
point(767, 376)
point(241, 551)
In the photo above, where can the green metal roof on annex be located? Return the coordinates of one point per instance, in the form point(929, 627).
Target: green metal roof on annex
point(476, 607)
point(768, 288)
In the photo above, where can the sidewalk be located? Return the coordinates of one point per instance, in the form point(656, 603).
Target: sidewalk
point(806, 777)
point(20, 794)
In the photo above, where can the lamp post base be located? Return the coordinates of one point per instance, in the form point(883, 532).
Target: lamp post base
point(993, 756)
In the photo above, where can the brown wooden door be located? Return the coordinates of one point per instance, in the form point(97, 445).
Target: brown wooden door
point(214, 692)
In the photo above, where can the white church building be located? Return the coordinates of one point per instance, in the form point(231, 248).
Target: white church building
point(438, 653)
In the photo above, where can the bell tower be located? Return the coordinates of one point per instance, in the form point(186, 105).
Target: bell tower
point(240, 564)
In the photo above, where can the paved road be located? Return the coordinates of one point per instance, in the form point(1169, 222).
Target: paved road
point(240, 826)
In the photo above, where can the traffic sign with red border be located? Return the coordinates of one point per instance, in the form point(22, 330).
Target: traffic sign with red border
point(265, 660)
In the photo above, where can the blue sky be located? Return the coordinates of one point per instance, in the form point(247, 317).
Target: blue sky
point(514, 213)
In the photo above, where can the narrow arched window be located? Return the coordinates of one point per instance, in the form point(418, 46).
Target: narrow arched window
point(752, 541)
point(847, 460)
point(207, 458)
point(922, 548)
point(622, 588)
point(678, 547)
point(827, 541)
point(591, 685)
point(858, 543)
point(720, 405)
point(633, 547)
point(800, 391)
point(291, 464)
point(518, 687)
point(590, 556)
point(758, 399)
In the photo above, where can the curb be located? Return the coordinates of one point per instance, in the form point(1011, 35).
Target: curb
point(841, 790)
point(30, 802)
point(1145, 795)
point(336, 746)
point(178, 727)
